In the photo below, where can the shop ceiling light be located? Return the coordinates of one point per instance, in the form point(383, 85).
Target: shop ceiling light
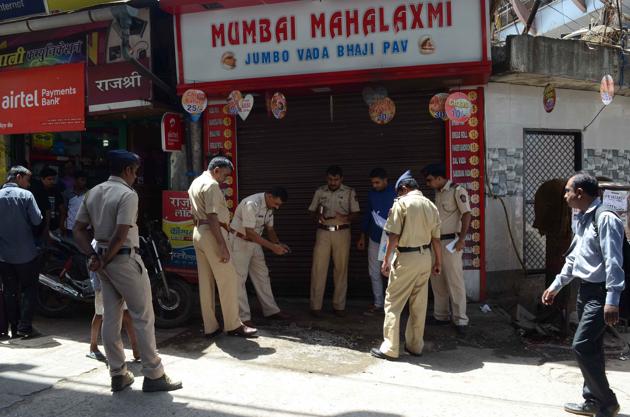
point(321, 89)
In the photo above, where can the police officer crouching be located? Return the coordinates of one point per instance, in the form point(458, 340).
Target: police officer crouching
point(413, 227)
point(111, 209)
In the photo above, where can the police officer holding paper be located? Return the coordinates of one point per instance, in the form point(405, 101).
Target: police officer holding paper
point(413, 228)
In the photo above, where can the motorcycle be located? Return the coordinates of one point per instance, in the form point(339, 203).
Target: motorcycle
point(65, 280)
point(172, 296)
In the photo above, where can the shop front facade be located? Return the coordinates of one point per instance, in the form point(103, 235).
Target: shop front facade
point(69, 95)
point(307, 75)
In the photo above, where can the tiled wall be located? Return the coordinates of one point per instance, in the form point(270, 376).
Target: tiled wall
point(611, 163)
point(505, 171)
point(505, 167)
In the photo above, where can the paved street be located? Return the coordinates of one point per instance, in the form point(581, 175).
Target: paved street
point(306, 368)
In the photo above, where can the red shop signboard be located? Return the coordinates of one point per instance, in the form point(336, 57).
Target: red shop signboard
point(220, 138)
point(44, 99)
point(466, 151)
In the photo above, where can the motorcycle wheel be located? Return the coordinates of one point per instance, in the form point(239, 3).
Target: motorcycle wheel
point(50, 303)
point(175, 308)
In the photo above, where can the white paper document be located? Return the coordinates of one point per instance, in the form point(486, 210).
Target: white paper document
point(451, 246)
point(380, 222)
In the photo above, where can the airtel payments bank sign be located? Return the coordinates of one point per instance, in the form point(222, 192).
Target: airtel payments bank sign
point(44, 99)
point(309, 37)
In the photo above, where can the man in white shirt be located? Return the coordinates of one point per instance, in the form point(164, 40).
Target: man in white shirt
point(253, 216)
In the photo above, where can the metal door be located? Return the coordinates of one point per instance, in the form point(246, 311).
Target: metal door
point(547, 155)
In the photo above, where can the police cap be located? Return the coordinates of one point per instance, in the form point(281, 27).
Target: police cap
point(405, 176)
point(121, 155)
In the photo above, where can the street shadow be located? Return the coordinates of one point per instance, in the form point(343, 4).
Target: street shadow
point(41, 342)
point(84, 398)
point(242, 349)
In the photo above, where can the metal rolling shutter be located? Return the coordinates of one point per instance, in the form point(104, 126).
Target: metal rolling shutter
point(295, 152)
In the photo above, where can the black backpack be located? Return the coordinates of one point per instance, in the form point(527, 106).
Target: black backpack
point(624, 301)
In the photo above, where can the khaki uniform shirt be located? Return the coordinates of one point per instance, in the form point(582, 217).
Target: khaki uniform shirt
point(206, 198)
point(415, 218)
point(343, 200)
point(252, 213)
point(453, 202)
point(107, 205)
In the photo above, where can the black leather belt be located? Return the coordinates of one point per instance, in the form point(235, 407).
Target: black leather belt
point(334, 228)
point(448, 236)
point(406, 249)
point(121, 251)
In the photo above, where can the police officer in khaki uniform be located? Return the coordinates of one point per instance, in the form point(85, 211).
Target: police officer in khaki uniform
point(253, 216)
point(214, 263)
point(111, 209)
point(454, 205)
point(334, 207)
point(413, 227)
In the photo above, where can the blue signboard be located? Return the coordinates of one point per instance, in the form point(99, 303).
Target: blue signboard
point(11, 9)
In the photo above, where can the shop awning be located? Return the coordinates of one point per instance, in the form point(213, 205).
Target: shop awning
point(83, 17)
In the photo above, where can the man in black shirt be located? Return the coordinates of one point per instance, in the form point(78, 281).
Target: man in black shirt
point(50, 201)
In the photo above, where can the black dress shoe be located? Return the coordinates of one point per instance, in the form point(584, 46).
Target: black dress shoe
point(610, 411)
point(412, 353)
point(164, 383)
point(340, 313)
point(29, 335)
point(432, 321)
point(213, 334)
point(120, 382)
point(244, 331)
point(316, 313)
point(587, 408)
point(461, 330)
point(376, 352)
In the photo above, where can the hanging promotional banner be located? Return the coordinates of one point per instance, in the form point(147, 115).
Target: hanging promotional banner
point(47, 99)
point(437, 106)
point(278, 106)
point(194, 102)
point(234, 102)
point(246, 105)
point(172, 132)
point(312, 37)
point(12, 9)
point(607, 89)
point(458, 107)
point(382, 111)
point(549, 98)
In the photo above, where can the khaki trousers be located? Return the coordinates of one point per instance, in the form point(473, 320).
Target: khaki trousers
point(449, 289)
point(214, 274)
point(249, 259)
point(126, 280)
point(408, 281)
point(337, 243)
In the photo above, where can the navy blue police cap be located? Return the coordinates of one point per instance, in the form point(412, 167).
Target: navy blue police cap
point(405, 176)
point(121, 155)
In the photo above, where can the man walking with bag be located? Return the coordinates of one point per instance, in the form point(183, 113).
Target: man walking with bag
point(596, 258)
